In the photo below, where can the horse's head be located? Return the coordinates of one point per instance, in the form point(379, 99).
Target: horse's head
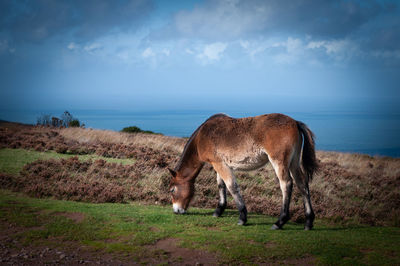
point(182, 191)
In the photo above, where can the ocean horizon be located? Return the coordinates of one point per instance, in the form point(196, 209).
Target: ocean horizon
point(354, 132)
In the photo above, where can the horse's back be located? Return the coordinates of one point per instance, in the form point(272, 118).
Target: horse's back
point(246, 142)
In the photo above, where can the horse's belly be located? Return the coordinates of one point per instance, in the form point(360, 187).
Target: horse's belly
point(247, 162)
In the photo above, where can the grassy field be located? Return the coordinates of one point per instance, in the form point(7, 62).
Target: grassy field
point(131, 232)
point(91, 172)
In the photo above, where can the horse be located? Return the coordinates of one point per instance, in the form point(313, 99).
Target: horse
point(245, 144)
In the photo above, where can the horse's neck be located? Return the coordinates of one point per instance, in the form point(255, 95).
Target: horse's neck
point(190, 165)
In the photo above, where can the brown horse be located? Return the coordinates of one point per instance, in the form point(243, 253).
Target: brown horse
point(246, 144)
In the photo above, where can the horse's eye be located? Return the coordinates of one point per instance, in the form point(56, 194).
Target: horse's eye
point(172, 190)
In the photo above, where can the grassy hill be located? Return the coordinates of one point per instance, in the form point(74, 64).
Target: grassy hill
point(350, 193)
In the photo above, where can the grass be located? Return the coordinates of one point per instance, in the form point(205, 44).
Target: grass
point(130, 228)
point(13, 160)
point(154, 141)
point(349, 190)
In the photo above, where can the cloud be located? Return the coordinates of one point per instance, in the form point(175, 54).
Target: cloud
point(339, 50)
point(72, 46)
point(93, 47)
point(367, 27)
point(223, 20)
point(148, 53)
point(84, 20)
point(189, 51)
point(220, 20)
point(213, 52)
point(166, 52)
point(294, 50)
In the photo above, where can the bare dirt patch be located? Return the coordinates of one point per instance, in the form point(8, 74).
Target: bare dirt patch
point(169, 252)
point(54, 251)
point(300, 261)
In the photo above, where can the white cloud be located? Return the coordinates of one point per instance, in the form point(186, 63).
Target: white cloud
point(90, 48)
point(294, 46)
point(222, 19)
point(213, 52)
point(331, 47)
point(148, 53)
point(72, 46)
point(244, 44)
point(166, 52)
point(294, 51)
point(315, 45)
point(339, 50)
point(337, 46)
point(189, 51)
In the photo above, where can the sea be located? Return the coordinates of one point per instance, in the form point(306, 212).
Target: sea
point(354, 132)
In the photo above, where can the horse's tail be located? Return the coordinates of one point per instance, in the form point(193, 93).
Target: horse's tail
point(309, 160)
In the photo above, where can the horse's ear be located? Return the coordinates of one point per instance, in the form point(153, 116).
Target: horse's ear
point(173, 173)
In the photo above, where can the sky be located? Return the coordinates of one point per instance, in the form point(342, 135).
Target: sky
point(223, 55)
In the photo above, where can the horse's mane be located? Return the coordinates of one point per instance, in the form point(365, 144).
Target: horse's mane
point(192, 138)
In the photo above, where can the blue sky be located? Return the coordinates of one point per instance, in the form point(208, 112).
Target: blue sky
point(261, 56)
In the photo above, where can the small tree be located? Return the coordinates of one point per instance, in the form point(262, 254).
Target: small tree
point(67, 120)
point(75, 123)
point(44, 120)
point(66, 117)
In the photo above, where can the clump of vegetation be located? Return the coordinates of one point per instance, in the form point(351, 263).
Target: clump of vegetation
point(74, 123)
point(87, 180)
point(135, 129)
point(66, 120)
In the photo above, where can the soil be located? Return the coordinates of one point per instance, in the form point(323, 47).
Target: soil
point(176, 255)
point(59, 252)
point(54, 252)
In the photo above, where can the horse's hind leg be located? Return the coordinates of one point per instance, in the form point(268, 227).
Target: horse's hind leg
point(226, 174)
point(302, 184)
point(222, 197)
point(286, 184)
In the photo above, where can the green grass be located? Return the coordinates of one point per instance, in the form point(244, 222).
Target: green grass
point(13, 160)
point(128, 228)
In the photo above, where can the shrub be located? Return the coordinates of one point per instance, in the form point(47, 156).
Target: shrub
point(43, 120)
point(135, 129)
point(75, 123)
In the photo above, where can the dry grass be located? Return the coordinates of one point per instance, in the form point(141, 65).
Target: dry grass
point(348, 187)
point(154, 141)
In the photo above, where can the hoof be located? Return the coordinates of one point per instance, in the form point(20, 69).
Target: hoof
point(215, 214)
point(275, 227)
point(307, 228)
point(241, 222)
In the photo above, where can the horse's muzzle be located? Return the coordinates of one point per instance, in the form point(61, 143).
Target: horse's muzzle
point(178, 209)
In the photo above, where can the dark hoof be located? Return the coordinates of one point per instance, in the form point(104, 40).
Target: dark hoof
point(241, 222)
point(216, 214)
point(275, 227)
point(307, 228)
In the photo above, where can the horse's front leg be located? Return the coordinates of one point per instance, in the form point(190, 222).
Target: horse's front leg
point(229, 179)
point(222, 197)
